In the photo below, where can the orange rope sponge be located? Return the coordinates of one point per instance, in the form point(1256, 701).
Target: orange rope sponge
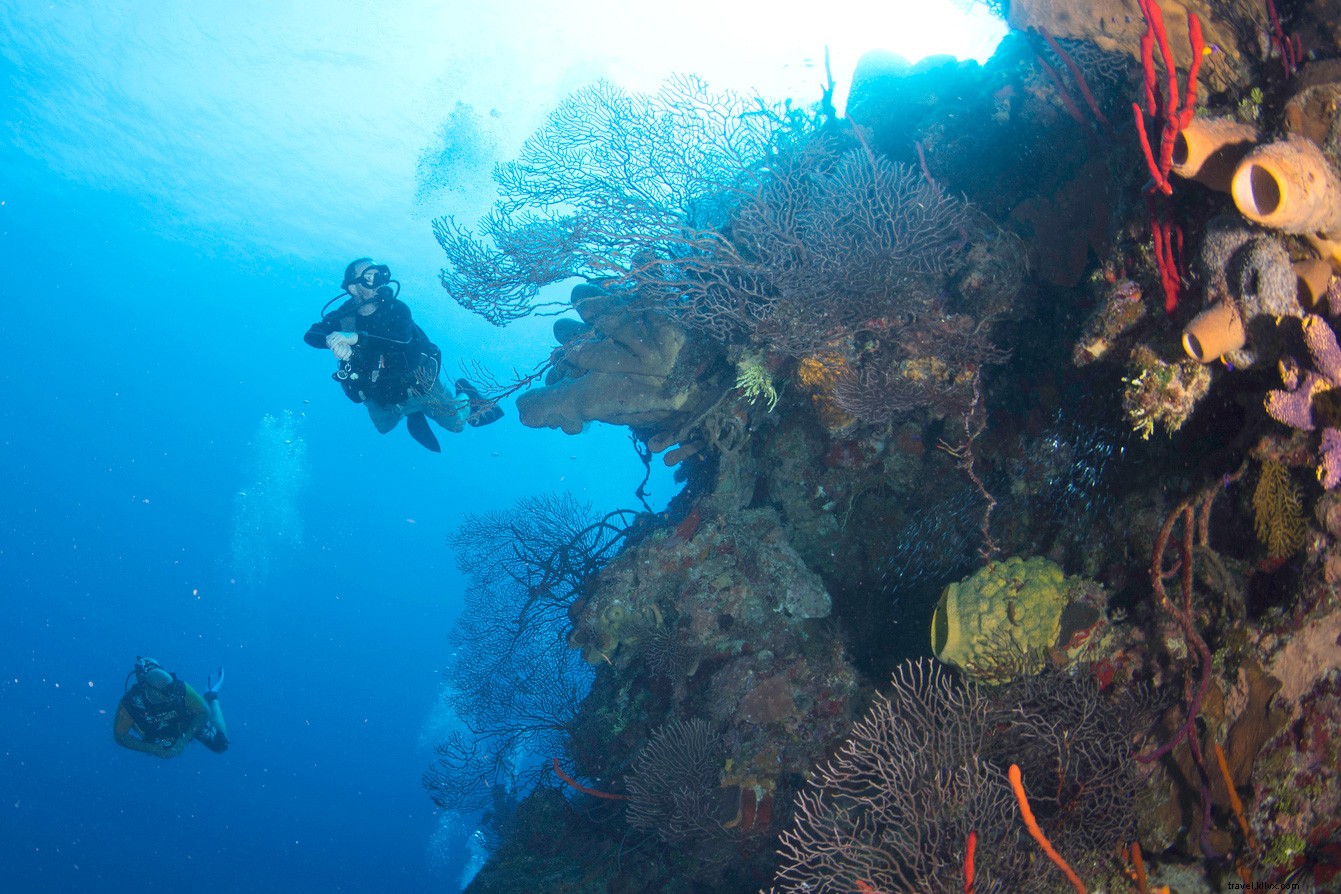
point(1142, 883)
point(558, 771)
point(1027, 814)
point(970, 847)
point(1234, 801)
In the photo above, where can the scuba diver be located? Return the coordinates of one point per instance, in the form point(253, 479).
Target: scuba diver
point(387, 362)
point(161, 714)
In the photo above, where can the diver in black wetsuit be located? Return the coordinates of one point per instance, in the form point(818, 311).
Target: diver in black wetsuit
point(388, 364)
point(161, 715)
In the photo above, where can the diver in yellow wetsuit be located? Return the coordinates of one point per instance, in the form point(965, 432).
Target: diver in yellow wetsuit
point(161, 714)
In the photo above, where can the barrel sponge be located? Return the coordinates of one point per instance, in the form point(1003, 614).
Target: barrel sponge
point(999, 623)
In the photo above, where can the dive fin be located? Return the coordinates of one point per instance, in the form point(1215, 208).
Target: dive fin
point(417, 423)
point(482, 412)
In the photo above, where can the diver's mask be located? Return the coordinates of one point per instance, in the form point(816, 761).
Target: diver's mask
point(372, 277)
point(375, 277)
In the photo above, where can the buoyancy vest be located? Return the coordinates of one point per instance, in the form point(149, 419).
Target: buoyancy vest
point(163, 723)
point(386, 371)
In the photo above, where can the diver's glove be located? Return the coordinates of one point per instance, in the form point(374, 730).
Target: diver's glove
point(341, 344)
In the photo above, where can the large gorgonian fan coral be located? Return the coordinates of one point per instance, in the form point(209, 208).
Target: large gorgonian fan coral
point(830, 239)
point(895, 806)
point(513, 685)
point(606, 176)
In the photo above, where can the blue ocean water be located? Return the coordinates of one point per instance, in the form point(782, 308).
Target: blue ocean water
point(183, 480)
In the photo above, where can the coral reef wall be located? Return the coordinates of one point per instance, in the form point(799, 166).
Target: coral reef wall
point(1006, 410)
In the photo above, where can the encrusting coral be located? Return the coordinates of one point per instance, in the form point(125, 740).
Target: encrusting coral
point(820, 374)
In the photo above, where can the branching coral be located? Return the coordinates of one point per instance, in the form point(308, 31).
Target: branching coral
point(513, 682)
point(895, 806)
point(1072, 742)
point(931, 362)
point(753, 227)
point(828, 239)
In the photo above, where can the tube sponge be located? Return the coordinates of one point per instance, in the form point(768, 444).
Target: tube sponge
point(1289, 185)
point(1315, 277)
point(1216, 331)
point(1209, 150)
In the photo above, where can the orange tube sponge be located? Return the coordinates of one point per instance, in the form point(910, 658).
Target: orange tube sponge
point(1289, 185)
point(1208, 150)
point(1315, 275)
point(1216, 331)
